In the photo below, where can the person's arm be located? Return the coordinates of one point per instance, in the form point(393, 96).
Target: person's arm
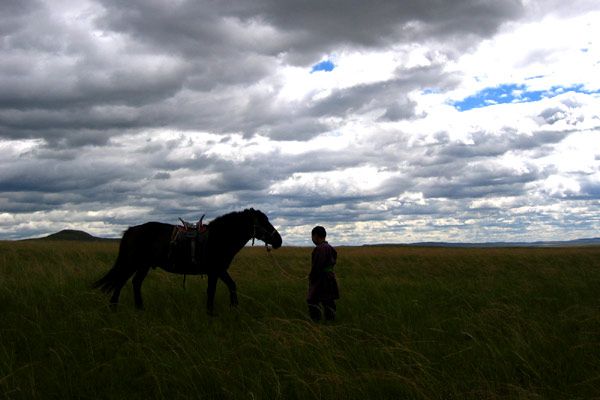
point(334, 255)
point(321, 259)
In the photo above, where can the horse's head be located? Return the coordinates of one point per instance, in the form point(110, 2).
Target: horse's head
point(262, 228)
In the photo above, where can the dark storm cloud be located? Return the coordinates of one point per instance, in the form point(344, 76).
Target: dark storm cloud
point(84, 84)
point(486, 145)
point(479, 182)
point(123, 66)
point(87, 179)
point(326, 25)
point(13, 12)
point(390, 95)
point(191, 25)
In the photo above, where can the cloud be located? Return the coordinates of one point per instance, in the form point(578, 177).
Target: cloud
point(111, 67)
point(113, 113)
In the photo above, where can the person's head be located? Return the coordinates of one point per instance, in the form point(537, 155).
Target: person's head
point(318, 234)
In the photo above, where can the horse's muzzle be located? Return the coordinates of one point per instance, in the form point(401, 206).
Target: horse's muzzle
point(275, 240)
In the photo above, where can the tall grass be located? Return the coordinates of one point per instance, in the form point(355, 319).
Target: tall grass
point(415, 323)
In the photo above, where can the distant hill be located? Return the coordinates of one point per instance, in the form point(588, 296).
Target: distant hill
point(565, 243)
point(70, 234)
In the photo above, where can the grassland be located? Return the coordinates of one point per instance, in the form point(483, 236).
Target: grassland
point(414, 323)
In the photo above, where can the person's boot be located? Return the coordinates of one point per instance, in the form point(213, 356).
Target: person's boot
point(315, 312)
point(329, 313)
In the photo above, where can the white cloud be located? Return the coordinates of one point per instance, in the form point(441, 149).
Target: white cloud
point(350, 182)
point(552, 51)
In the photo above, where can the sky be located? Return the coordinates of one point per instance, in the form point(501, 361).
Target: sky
point(384, 121)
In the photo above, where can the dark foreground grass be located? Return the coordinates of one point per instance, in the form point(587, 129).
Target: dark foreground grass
point(414, 323)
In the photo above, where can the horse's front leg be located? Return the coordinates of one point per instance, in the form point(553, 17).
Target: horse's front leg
point(210, 293)
point(226, 278)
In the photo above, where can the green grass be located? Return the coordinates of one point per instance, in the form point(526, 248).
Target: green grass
point(414, 323)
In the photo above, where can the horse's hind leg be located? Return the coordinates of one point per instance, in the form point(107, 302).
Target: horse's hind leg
point(114, 299)
point(137, 280)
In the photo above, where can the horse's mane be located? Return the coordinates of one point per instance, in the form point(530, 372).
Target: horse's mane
point(232, 218)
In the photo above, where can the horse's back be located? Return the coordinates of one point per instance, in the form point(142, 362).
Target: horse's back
point(149, 228)
point(147, 242)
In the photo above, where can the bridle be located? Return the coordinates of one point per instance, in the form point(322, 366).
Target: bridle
point(265, 237)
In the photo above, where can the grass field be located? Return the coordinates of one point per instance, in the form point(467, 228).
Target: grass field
point(414, 323)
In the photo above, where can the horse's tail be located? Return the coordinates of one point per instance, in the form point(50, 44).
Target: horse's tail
point(117, 274)
point(109, 282)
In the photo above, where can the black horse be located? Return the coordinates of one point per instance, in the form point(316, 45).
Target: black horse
point(151, 245)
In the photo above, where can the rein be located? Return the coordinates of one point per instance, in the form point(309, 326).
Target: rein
point(281, 269)
point(270, 254)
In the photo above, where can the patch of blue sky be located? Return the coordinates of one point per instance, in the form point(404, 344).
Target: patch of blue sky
point(431, 91)
point(325, 65)
point(513, 93)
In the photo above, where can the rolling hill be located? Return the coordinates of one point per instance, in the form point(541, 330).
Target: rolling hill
point(75, 235)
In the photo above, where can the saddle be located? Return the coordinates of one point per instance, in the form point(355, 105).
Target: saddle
point(188, 234)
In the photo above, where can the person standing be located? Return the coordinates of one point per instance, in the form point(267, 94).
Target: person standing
point(322, 288)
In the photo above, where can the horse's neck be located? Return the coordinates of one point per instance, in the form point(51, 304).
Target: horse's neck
point(235, 233)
